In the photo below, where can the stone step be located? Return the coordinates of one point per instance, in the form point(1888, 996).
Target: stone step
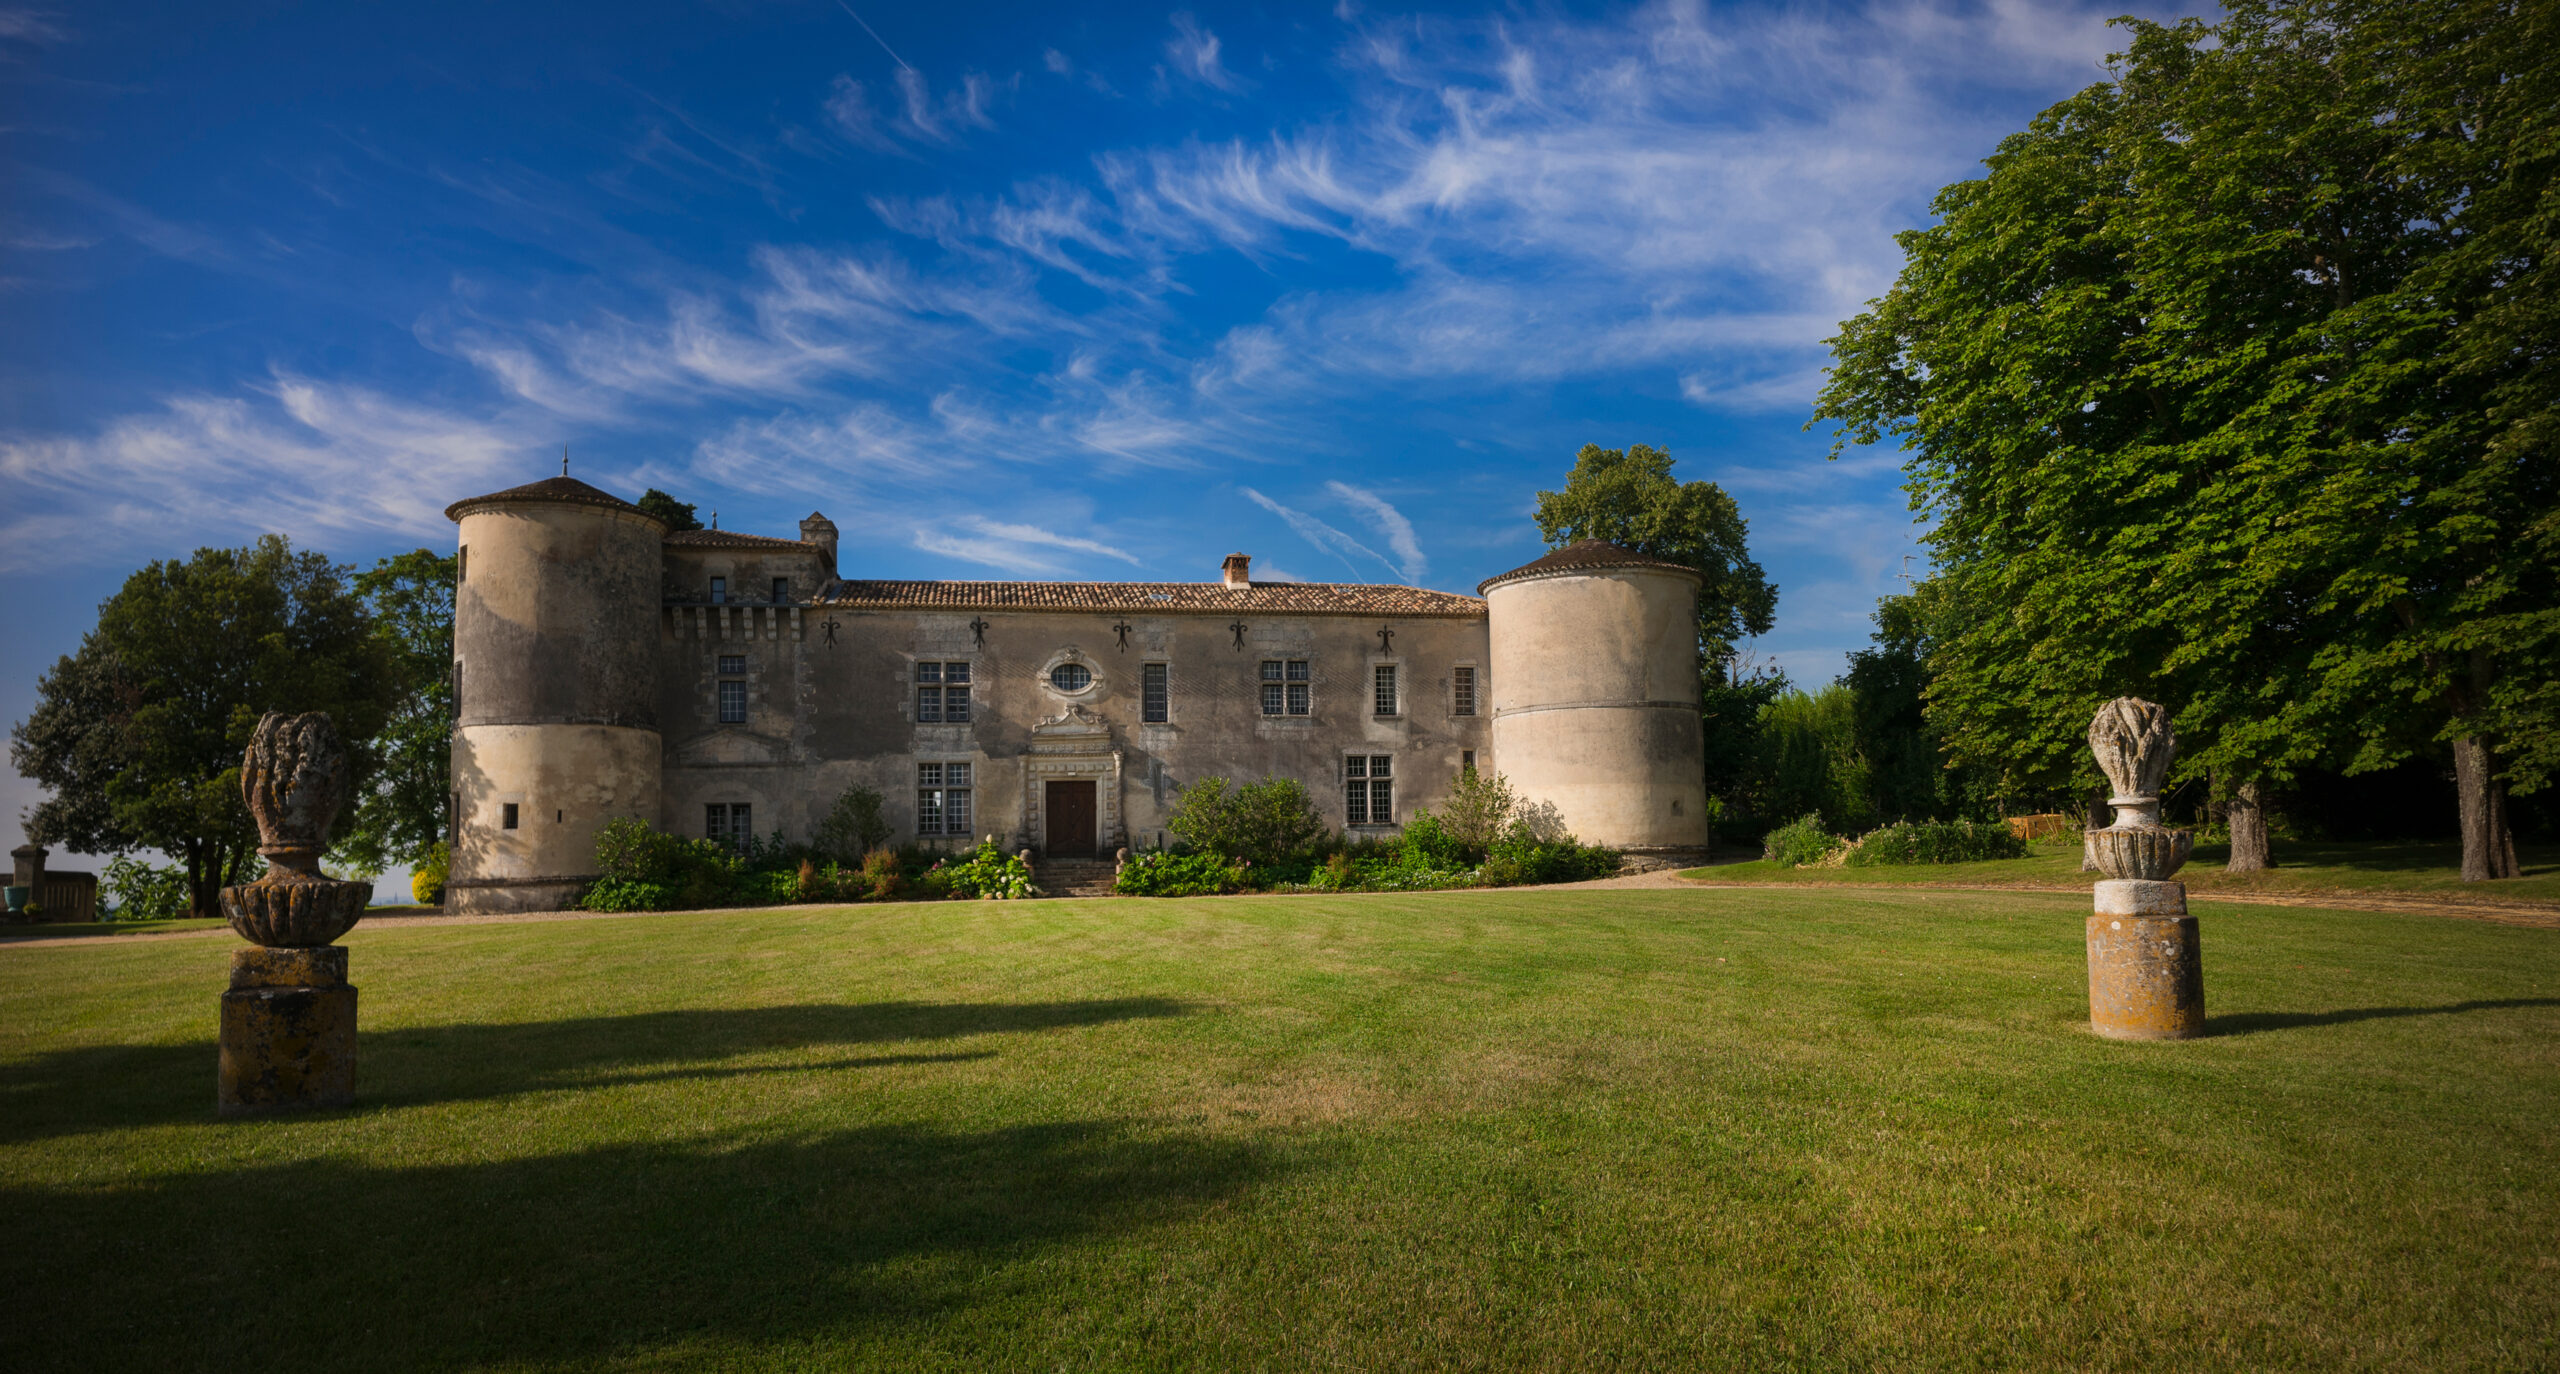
point(1075, 877)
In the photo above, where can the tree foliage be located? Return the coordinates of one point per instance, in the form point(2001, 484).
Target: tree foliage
point(139, 735)
point(1263, 822)
point(677, 514)
point(399, 815)
point(2231, 385)
point(1629, 497)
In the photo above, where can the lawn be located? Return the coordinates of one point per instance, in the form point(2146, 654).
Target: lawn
point(2401, 870)
point(1744, 1129)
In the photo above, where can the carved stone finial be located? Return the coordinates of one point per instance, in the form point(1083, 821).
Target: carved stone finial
point(2134, 744)
point(294, 778)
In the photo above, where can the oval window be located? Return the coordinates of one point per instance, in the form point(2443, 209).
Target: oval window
point(1070, 677)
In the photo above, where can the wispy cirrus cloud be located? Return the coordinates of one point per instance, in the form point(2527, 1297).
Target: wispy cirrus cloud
point(1391, 526)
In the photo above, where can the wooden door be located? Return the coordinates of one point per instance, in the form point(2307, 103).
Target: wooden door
point(1070, 812)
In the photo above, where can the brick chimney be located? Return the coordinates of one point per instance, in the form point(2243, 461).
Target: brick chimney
point(821, 531)
point(1237, 566)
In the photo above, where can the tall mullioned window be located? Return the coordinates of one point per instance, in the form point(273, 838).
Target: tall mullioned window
point(719, 591)
point(729, 823)
point(1386, 689)
point(781, 591)
point(1155, 693)
point(1462, 688)
point(942, 799)
point(733, 689)
point(942, 693)
point(1287, 687)
point(1369, 789)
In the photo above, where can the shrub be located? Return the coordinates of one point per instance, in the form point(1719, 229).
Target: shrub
point(691, 873)
point(1427, 844)
point(1478, 810)
point(1263, 823)
point(1800, 841)
point(427, 879)
point(1950, 842)
point(988, 872)
point(146, 892)
point(882, 877)
point(1161, 873)
point(617, 894)
point(857, 825)
point(1521, 856)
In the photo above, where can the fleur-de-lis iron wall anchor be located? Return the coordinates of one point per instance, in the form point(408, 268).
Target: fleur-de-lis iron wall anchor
point(1238, 629)
point(830, 626)
point(1122, 629)
point(1386, 640)
point(979, 628)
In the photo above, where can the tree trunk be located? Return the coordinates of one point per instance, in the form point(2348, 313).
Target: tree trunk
point(204, 883)
point(2488, 846)
point(2100, 816)
point(2247, 811)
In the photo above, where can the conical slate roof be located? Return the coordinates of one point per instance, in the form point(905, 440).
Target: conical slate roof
point(1589, 555)
point(553, 491)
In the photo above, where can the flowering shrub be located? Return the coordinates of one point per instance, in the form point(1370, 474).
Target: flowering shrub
point(990, 873)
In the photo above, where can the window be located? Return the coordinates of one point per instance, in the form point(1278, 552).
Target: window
point(1466, 761)
point(781, 590)
point(729, 823)
point(507, 816)
point(461, 564)
point(1369, 789)
point(732, 690)
point(719, 590)
point(1155, 704)
point(1462, 683)
point(942, 693)
point(1285, 687)
point(1386, 689)
point(1070, 677)
point(942, 799)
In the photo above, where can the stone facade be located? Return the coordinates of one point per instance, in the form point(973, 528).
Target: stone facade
point(749, 685)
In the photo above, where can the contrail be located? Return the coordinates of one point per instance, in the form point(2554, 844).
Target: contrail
point(875, 36)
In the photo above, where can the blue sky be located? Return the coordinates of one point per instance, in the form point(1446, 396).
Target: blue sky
point(1005, 290)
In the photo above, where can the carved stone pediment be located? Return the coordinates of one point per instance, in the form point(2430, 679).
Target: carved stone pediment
point(1072, 731)
point(733, 748)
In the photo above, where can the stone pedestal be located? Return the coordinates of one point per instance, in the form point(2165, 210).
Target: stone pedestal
point(2146, 969)
point(288, 1032)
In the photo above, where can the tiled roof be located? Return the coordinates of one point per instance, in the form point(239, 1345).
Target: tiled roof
point(1266, 598)
point(1591, 554)
point(731, 539)
point(557, 491)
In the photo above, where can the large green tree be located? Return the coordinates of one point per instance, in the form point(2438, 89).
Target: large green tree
point(139, 735)
point(1629, 497)
point(2195, 392)
point(399, 814)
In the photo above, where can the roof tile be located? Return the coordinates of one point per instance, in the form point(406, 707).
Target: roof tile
point(1267, 598)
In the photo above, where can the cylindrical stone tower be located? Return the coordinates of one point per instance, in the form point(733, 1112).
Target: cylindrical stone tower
point(1594, 664)
point(555, 640)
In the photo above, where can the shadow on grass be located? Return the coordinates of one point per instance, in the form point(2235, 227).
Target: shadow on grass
point(2254, 1022)
point(598, 1256)
point(113, 1087)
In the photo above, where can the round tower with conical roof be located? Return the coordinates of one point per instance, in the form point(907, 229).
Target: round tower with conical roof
point(1594, 658)
point(555, 636)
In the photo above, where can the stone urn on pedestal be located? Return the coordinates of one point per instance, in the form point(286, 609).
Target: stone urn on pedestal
point(289, 1020)
point(2146, 971)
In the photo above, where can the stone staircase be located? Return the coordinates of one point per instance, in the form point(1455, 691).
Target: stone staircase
point(1073, 877)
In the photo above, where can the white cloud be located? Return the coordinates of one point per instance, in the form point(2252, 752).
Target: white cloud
point(1324, 537)
point(305, 457)
point(1193, 51)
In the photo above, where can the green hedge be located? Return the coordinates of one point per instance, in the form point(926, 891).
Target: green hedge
point(1938, 842)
